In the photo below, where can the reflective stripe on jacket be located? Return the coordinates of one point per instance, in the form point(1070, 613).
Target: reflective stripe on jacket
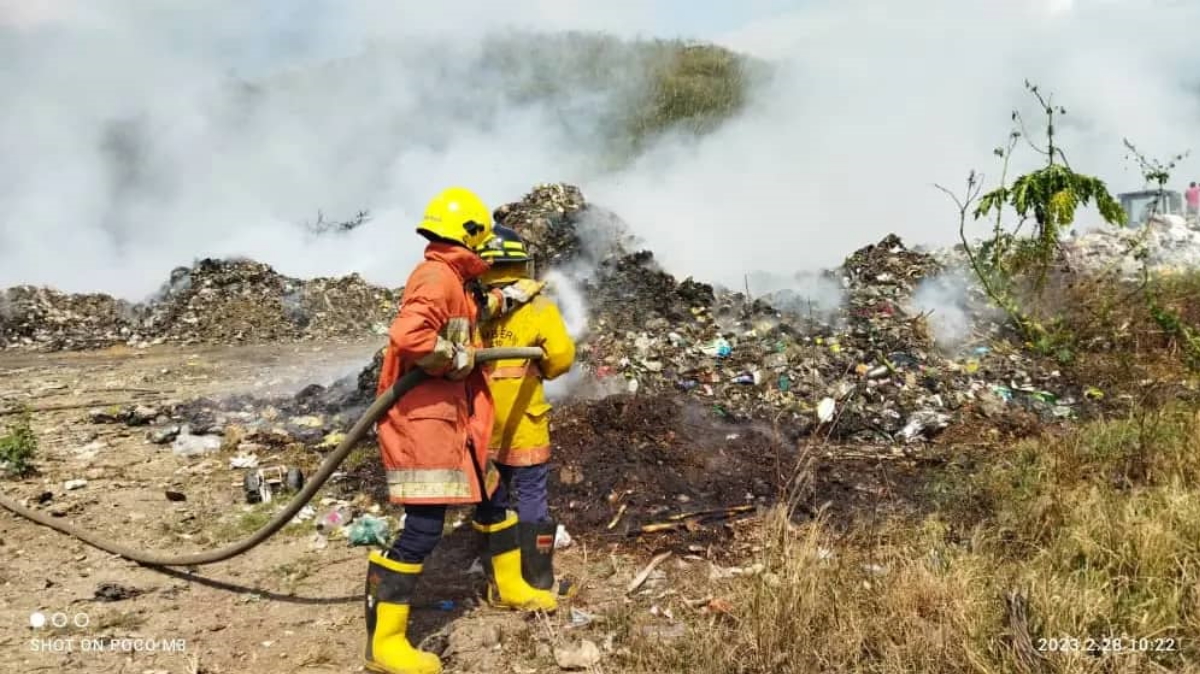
point(521, 433)
point(427, 437)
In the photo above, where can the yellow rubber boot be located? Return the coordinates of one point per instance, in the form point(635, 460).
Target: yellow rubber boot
point(390, 586)
point(507, 587)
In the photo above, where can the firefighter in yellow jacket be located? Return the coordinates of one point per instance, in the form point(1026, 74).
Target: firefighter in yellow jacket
point(520, 443)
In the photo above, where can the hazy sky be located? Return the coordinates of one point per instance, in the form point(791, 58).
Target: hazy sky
point(874, 101)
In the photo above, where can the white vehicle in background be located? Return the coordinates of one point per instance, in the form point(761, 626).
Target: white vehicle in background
point(1145, 205)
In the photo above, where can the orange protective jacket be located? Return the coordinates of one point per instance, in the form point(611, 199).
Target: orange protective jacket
point(434, 440)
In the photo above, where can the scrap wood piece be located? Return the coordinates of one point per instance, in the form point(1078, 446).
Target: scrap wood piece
point(708, 513)
point(645, 573)
point(617, 517)
point(692, 520)
point(660, 526)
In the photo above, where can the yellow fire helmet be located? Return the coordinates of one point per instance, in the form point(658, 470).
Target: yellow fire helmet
point(458, 214)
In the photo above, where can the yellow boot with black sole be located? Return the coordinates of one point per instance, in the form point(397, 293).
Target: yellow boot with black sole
point(390, 586)
point(502, 559)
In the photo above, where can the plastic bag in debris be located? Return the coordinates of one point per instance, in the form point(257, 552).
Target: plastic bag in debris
point(718, 348)
point(562, 539)
point(825, 410)
point(923, 422)
point(369, 530)
point(187, 444)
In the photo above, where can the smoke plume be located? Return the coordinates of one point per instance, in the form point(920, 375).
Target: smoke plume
point(142, 135)
point(943, 299)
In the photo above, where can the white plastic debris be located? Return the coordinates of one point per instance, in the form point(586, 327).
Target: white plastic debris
point(922, 422)
point(244, 461)
point(562, 539)
point(583, 655)
point(306, 513)
point(72, 485)
point(476, 568)
point(194, 445)
point(825, 410)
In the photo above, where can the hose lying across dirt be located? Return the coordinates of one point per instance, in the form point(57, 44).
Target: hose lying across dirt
point(331, 463)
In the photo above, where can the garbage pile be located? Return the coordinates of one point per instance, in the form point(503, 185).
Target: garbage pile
point(59, 321)
point(546, 220)
point(214, 301)
point(1164, 244)
point(869, 371)
point(559, 227)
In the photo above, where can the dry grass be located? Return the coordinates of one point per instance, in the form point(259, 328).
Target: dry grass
point(1088, 536)
point(1114, 337)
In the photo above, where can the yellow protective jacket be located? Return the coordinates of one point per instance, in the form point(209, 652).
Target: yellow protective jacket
point(521, 430)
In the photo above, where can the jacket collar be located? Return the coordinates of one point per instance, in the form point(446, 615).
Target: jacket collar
point(461, 259)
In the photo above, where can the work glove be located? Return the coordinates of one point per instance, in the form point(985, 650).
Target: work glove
point(520, 292)
point(452, 360)
point(463, 363)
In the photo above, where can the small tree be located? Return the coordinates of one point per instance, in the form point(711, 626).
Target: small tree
point(1049, 198)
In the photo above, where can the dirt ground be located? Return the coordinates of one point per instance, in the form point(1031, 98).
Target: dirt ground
point(293, 606)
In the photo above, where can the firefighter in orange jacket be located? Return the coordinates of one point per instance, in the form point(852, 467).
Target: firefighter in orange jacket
point(521, 432)
point(435, 439)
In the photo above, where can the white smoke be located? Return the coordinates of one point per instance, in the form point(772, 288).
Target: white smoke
point(563, 288)
point(944, 301)
point(804, 293)
point(141, 137)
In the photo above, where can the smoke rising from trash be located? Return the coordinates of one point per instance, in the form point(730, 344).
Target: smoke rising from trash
point(944, 302)
point(144, 138)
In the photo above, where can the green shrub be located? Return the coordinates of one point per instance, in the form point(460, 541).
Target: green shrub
point(18, 446)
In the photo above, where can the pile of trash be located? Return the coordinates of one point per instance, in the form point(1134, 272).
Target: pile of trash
point(869, 370)
point(214, 301)
point(1165, 244)
point(59, 321)
point(560, 227)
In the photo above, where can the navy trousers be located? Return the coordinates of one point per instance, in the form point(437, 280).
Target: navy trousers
point(522, 488)
point(527, 489)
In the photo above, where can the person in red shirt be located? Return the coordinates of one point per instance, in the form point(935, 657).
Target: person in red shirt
point(1193, 201)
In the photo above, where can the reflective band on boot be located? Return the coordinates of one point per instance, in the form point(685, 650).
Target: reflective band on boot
point(537, 558)
point(390, 586)
point(508, 588)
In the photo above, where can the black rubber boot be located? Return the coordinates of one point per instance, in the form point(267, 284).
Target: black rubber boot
point(537, 558)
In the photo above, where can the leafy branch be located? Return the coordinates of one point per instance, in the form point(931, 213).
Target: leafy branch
point(1050, 196)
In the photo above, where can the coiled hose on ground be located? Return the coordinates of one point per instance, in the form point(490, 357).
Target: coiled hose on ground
point(331, 463)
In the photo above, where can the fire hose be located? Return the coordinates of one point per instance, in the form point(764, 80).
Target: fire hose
point(328, 466)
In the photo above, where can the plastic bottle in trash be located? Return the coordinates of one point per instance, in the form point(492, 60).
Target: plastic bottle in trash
point(745, 378)
point(332, 520)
